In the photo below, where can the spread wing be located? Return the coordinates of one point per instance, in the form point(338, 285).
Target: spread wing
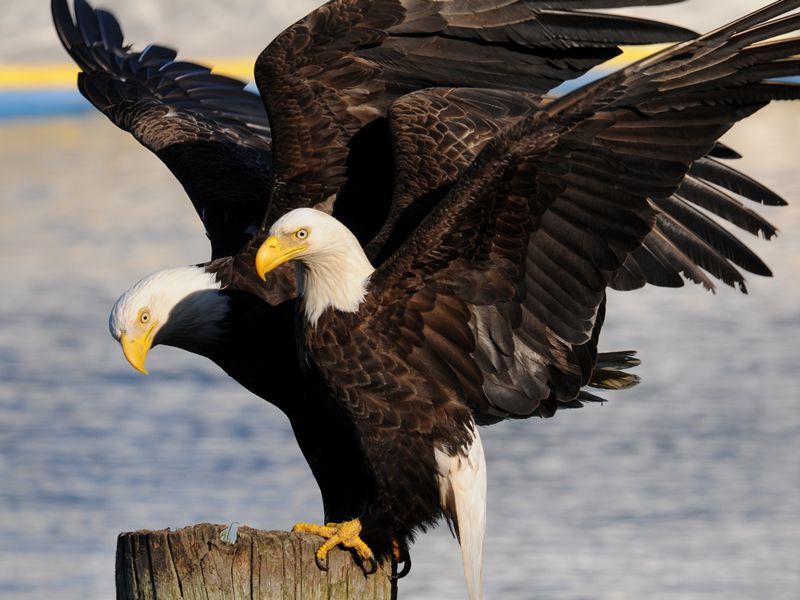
point(500, 292)
point(438, 133)
point(210, 132)
point(328, 80)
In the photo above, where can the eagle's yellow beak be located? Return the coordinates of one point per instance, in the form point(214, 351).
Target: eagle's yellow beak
point(136, 349)
point(273, 253)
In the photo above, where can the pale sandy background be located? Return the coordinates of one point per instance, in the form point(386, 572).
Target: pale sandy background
point(686, 487)
point(238, 28)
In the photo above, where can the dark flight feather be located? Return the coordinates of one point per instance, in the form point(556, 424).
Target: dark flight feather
point(210, 132)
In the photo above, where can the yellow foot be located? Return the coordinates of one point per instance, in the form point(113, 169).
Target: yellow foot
point(345, 534)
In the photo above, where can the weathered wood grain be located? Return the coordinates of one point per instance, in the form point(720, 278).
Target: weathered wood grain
point(195, 563)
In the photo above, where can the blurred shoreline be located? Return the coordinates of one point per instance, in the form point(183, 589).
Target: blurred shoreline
point(241, 28)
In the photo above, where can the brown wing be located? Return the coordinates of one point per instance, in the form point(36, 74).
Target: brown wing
point(209, 131)
point(502, 287)
point(438, 133)
point(339, 69)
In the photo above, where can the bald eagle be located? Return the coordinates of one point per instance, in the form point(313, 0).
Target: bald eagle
point(334, 85)
point(492, 308)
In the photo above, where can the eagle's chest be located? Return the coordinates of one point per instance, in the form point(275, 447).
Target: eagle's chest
point(354, 362)
point(385, 390)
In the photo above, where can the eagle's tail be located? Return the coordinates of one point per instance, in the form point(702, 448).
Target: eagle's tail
point(462, 488)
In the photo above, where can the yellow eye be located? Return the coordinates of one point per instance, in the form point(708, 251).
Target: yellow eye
point(301, 234)
point(144, 316)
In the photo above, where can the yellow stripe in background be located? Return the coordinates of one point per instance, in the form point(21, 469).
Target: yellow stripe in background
point(633, 53)
point(43, 76)
point(24, 77)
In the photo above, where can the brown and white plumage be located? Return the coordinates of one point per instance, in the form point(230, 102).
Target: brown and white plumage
point(323, 80)
point(327, 83)
point(492, 308)
point(343, 135)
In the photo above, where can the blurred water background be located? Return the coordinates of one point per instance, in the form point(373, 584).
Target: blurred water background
point(687, 486)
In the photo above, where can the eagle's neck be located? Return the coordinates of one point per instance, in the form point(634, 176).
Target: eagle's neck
point(335, 277)
point(197, 322)
point(197, 309)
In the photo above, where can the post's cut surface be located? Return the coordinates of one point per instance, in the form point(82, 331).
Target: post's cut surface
point(195, 563)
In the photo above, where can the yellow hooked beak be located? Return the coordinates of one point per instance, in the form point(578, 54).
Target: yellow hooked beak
point(136, 349)
point(272, 253)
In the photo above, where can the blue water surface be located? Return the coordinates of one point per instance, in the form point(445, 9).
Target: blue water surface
point(684, 487)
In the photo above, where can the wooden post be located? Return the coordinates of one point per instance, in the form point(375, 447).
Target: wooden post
point(196, 563)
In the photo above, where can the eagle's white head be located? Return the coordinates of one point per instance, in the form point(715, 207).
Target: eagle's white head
point(177, 307)
point(332, 269)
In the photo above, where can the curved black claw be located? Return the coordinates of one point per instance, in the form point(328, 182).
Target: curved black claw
point(322, 563)
point(406, 566)
point(370, 565)
point(405, 560)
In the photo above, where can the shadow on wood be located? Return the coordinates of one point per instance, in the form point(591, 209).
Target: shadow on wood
point(195, 563)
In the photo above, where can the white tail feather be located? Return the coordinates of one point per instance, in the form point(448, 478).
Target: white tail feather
point(462, 488)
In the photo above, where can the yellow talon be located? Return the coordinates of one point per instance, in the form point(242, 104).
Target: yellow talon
point(346, 534)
